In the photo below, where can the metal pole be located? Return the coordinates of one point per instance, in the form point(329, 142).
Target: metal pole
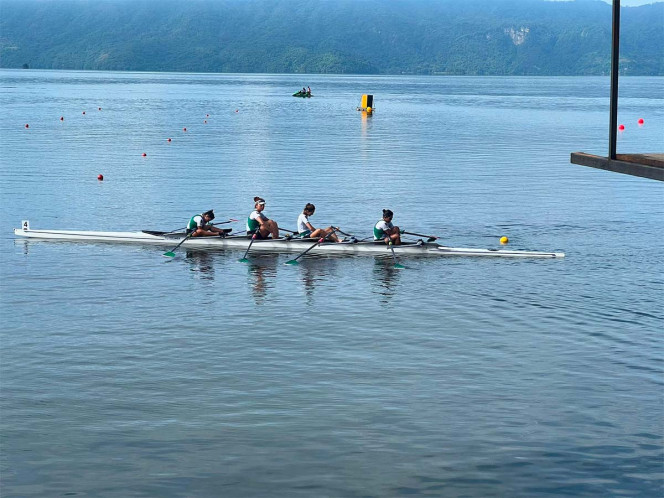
point(615, 70)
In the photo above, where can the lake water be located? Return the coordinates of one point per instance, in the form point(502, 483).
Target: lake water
point(124, 373)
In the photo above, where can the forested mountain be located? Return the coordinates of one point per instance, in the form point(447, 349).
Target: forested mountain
point(478, 37)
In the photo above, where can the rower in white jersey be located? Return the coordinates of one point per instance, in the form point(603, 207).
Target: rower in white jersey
point(306, 229)
point(385, 230)
point(259, 224)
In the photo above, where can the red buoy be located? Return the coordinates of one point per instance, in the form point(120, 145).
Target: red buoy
point(99, 108)
point(207, 115)
point(83, 112)
point(641, 121)
point(144, 154)
point(100, 177)
point(168, 139)
point(237, 110)
point(621, 127)
point(27, 125)
point(62, 118)
point(205, 121)
point(184, 129)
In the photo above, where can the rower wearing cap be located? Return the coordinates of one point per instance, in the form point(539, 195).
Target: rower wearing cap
point(386, 231)
point(306, 229)
point(200, 226)
point(259, 224)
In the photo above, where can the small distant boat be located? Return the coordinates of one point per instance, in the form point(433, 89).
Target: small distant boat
point(366, 104)
point(302, 94)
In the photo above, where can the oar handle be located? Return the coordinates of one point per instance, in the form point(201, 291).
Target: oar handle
point(231, 220)
point(224, 222)
point(421, 235)
point(319, 241)
point(342, 232)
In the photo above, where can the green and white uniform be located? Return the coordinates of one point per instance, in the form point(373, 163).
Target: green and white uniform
point(379, 229)
point(252, 221)
point(195, 222)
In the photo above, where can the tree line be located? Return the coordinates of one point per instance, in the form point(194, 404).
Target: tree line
point(459, 37)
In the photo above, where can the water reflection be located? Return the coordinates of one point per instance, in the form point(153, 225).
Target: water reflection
point(201, 262)
point(386, 278)
point(262, 270)
point(315, 269)
point(366, 123)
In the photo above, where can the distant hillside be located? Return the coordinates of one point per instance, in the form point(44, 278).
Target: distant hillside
point(475, 37)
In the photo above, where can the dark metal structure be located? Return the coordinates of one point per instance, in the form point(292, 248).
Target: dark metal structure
point(643, 165)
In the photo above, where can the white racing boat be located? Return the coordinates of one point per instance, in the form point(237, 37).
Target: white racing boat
point(294, 245)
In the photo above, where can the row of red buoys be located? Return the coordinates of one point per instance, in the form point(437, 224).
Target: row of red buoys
point(100, 177)
point(640, 121)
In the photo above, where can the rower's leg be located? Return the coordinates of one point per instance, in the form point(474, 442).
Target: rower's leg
point(396, 236)
point(264, 231)
point(274, 229)
point(332, 236)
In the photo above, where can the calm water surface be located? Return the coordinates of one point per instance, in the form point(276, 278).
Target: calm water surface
point(124, 373)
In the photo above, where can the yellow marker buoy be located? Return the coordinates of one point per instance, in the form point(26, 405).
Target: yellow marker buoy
point(369, 110)
point(504, 240)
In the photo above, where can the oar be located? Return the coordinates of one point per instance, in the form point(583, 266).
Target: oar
point(253, 237)
point(342, 232)
point(430, 238)
point(213, 224)
point(171, 253)
point(319, 241)
point(397, 265)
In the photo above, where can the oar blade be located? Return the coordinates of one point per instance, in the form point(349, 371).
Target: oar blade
point(169, 254)
point(292, 262)
point(399, 266)
point(243, 260)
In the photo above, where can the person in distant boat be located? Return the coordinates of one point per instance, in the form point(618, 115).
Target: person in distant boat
point(200, 225)
point(306, 229)
point(309, 91)
point(259, 224)
point(385, 230)
point(304, 91)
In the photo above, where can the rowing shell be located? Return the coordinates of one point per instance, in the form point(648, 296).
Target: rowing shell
point(148, 237)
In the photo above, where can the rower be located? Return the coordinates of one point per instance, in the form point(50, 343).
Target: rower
point(385, 230)
point(199, 226)
point(306, 229)
point(259, 224)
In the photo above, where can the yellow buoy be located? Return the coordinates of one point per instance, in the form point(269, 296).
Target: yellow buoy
point(504, 240)
point(369, 110)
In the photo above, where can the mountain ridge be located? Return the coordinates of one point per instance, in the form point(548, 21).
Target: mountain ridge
point(482, 37)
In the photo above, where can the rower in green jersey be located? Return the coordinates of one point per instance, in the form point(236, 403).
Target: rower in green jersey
point(385, 230)
point(199, 226)
point(259, 224)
